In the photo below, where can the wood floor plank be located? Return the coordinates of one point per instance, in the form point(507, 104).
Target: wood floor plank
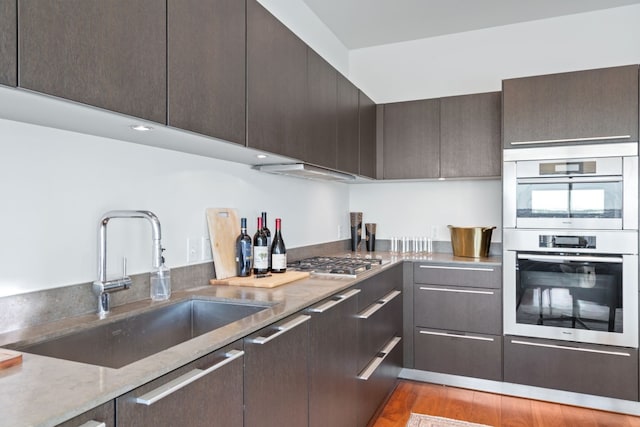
point(458, 403)
point(398, 407)
point(547, 414)
point(430, 400)
point(485, 409)
point(516, 412)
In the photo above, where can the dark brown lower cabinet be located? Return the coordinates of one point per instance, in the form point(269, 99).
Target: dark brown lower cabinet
point(379, 340)
point(104, 415)
point(583, 368)
point(378, 380)
point(458, 353)
point(332, 361)
point(206, 392)
point(275, 375)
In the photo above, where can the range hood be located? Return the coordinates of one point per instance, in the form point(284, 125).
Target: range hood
point(304, 170)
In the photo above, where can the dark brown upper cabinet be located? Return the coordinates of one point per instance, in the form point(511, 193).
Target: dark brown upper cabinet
point(277, 119)
point(411, 139)
point(348, 126)
point(8, 43)
point(320, 143)
point(585, 106)
point(367, 138)
point(109, 54)
point(470, 143)
point(206, 67)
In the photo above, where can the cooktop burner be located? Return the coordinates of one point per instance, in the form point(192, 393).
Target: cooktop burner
point(335, 266)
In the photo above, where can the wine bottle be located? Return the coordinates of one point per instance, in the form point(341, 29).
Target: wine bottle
point(244, 251)
point(260, 251)
point(267, 232)
point(278, 251)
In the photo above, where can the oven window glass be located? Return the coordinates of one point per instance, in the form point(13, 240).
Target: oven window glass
point(570, 200)
point(569, 294)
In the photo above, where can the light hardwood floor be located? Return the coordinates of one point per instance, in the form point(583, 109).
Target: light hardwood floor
point(488, 408)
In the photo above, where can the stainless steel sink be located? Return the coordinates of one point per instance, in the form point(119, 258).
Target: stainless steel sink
point(125, 341)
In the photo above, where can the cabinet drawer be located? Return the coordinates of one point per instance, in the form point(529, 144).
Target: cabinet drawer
point(378, 380)
point(377, 324)
point(458, 309)
point(469, 275)
point(378, 286)
point(470, 355)
point(583, 368)
point(104, 413)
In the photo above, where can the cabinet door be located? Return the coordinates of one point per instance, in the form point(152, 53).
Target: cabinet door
point(275, 375)
point(321, 142)
point(456, 353)
point(367, 116)
point(207, 392)
point(109, 54)
point(105, 413)
point(348, 142)
point(378, 323)
point(458, 309)
point(582, 368)
point(597, 104)
point(276, 85)
point(411, 139)
point(8, 43)
point(470, 137)
point(332, 361)
point(206, 67)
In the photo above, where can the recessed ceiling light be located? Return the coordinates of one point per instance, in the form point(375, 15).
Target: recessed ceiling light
point(262, 156)
point(141, 128)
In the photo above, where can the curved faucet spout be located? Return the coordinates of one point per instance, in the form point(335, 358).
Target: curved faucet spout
point(156, 237)
point(102, 287)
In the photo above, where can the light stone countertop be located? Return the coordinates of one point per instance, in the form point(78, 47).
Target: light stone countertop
point(45, 391)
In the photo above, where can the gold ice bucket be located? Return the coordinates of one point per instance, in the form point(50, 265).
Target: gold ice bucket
point(470, 242)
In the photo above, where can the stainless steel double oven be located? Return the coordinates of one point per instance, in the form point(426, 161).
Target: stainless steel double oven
point(571, 243)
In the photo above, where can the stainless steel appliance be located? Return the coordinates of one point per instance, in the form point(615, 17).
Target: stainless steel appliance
point(573, 187)
point(335, 266)
point(570, 243)
point(572, 285)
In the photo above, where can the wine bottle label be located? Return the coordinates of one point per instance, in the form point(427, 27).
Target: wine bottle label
point(279, 261)
point(260, 257)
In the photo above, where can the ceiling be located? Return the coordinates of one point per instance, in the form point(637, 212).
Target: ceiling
point(365, 23)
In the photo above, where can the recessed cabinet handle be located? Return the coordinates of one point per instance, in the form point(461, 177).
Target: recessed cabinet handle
point(368, 312)
point(562, 347)
point(448, 334)
point(282, 329)
point(457, 291)
point(444, 267)
point(182, 381)
point(371, 367)
point(321, 308)
point(93, 423)
point(556, 141)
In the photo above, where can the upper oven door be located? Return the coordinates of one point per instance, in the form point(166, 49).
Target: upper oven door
point(593, 193)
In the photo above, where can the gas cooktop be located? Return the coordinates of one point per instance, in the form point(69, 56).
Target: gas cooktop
point(335, 266)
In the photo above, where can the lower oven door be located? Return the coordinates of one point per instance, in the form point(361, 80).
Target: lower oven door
point(585, 298)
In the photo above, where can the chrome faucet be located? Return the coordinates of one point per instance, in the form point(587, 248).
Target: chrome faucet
point(103, 287)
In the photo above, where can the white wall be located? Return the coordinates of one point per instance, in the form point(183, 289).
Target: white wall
point(416, 208)
point(55, 185)
point(477, 61)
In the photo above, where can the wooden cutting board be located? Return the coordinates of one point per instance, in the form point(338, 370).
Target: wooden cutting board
point(224, 228)
point(9, 358)
point(276, 279)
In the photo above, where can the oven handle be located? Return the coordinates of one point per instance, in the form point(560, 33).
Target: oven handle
point(569, 179)
point(537, 257)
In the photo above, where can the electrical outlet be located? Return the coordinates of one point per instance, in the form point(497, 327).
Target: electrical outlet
point(206, 249)
point(194, 249)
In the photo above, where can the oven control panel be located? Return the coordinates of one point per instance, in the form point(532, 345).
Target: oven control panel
point(557, 241)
